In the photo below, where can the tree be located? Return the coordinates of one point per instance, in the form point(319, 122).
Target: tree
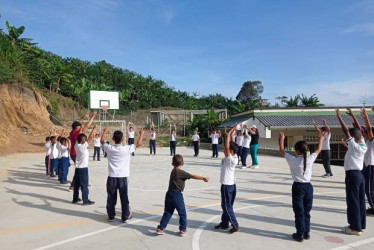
point(250, 94)
point(311, 101)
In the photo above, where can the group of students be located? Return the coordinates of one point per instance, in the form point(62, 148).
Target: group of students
point(360, 156)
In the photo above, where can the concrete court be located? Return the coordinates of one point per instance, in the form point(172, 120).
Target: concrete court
point(36, 212)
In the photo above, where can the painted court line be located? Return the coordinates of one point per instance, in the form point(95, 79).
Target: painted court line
point(163, 190)
point(355, 244)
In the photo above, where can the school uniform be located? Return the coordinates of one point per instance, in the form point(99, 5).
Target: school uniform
point(326, 154)
point(195, 142)
point(355, 184)
point(97, 146)
point(302, 190)
point(59, 167)
point(254, 147)
point(173, 143)
point(47, 146)
point(131, 139)
point(239, 142)
point(245, 148)
point(228, 191)
point(368, 173)
point(65, 164)
point(215, 137)
point(152, 143)
point(118, 173)
point(174, 199)
point(81, 172)
point(53, 159)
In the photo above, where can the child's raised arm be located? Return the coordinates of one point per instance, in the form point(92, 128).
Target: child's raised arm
point(228, 140)
point(140, 138)
point(89, 123)
point(356, 124)
point(92, 134)
point(367, 123)
point(105, 131)
point(326, 125)
point(320, 141)
point(281, 143)
point(197, 177)
point(315, 125)
point(342, 124)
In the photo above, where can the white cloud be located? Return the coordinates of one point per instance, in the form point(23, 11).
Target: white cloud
point(168, 15)
point(367, 29)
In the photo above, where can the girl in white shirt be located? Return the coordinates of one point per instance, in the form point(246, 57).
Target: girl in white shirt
point(196, 143)
point(173, 142)
point(152, 141)
point(302, 189)
point(245, 148)
point(65, 163)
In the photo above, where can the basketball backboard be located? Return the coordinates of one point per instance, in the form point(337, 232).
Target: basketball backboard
point(100, 99)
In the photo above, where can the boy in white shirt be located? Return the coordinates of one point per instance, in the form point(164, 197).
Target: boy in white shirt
point(368, 170)
point(239, 141)
point(53, 154)
point(81, 168)
point(215, 136)
point(302, 189)
point(196, 143)
point(65, 162)
point(246, 146)
point(152, 140)
point(97, 146)
point(118, 172)
point(325, 153)
point(173, 142)
point(228, 187)
point(131, 137)
point(354, 180)
point(47, 146)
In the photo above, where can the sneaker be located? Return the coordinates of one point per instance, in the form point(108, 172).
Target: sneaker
point(182, 233)
point(243, 167)
point(159, 231)
point(88, 203)
point(370, 211)
point(52, 175)
point(297, 237)
point(130, 217)
point(234, 230)
point(255, 167)
point(306, 236)
point(110, 220)
point(221, 226)
point(327, 175)
point(349, 231)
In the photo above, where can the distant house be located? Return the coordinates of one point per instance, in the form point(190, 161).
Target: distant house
point(296, 123)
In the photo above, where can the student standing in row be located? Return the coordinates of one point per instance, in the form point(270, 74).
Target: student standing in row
point(228, 187)
point(325, 153)
point(152, 140)
point(368, 170)
point(97, 147)
point(53, 156)
point(302, 189)
point(255, 136)
point(65, 162)
point(245, 147)
point(119, 157)
point(173, 141)
point(131, 137)
point(47, 147)
point(81, 168)
point(215, 137)
point(354, 180)
point(196, 143)
point(239, 142)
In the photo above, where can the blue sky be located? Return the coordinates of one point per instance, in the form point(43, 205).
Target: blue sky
point(324, 47)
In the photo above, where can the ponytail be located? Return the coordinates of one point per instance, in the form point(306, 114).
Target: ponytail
point(304, 156)
point(302, 147)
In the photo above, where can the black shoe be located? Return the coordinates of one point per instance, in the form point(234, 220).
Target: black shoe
point(52, 175)
point(130, 217)
point(98, 159)
point(234, 230)
point(297, 237)
point(76, 201)
point(221, 226)
point(88, 203)
point(79, 199)
point(306, 236)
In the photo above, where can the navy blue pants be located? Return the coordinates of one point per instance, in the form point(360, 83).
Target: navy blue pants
point(325, 156)
point(81, 181)
point(54, 166)
point(239, 153)
point(65, 164)
point(174, 200)
point(152, 146)
point(196, 147)
point(173, 145)
point(245, 152)
point(131, 141)
point(302, 202)
point(47, 164)
point(368, 173)
point(228, 194)
point(96, 152)
point(215, 150)
point(355, 192)
point(113, 185)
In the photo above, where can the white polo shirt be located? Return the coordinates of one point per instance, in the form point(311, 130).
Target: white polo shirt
point(131, 134)
point(228, 165)
point(296, 165)
point(239, 140)
point(47, 146)
point(246, 141)
point(369, 155)
point(97, 142)
point(214, 137)
point(326, 142)
point(119, 159)
point(172, 137)
point(195, 137)
point(354, 157)
point(53, 151)
point(64, 151)
point(153, 136)
point(82, 155)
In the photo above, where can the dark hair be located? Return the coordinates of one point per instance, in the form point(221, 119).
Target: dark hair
point(117, 136)
point(53, 137)
point(48, 138)
point(59, 138)
point(303, 148)
point(324, 129)
point(75, 125)
point(80, 137)
point(177, 160)
point(233, 147)
point(63, 140)
point(355, 133)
